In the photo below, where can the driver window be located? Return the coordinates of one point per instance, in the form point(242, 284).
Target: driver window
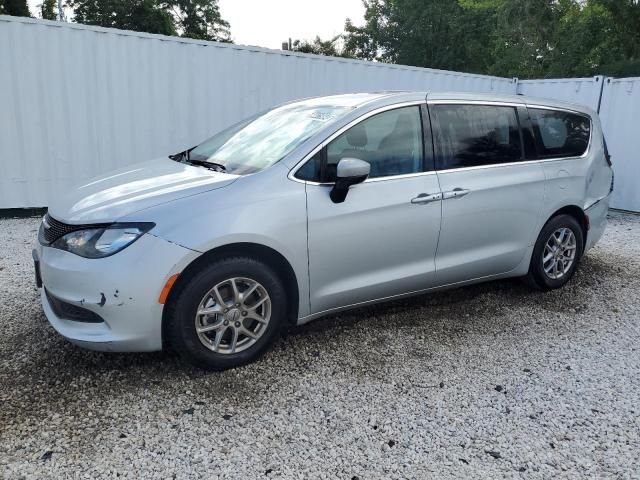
point(390, 141)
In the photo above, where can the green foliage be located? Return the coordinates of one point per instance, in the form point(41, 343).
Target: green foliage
point(199, 19)
point(48, 10)
point(410, 32)
point(523, 38)
point(318, 46)
point(441, 34)
point(137, 15)
point(18, 8)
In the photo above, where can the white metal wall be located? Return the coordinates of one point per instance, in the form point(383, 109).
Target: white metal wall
point(77, 101)
point(584, 91)
point(618, 103)
point(620, 114)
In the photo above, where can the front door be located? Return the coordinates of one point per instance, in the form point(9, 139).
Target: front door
point(381, 241)
point(492, 196)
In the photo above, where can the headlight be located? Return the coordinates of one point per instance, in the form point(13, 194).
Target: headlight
point(103, 241)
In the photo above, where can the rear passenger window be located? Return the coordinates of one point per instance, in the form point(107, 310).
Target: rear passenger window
point(560, 134)
point(475, 135)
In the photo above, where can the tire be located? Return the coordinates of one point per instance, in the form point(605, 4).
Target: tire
point(541, 275)
point(197, 294)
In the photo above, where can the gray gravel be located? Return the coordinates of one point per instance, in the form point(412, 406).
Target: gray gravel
point(487, 381)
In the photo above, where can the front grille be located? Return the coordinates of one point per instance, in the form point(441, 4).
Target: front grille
point(52, 229)
point(68, 311)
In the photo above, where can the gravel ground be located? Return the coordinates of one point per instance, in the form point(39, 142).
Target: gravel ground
point(488, 381)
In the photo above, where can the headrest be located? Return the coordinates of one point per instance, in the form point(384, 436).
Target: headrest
point(357, 136)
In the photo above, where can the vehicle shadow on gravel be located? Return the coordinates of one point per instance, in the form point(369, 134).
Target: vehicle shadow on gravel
point(483, 300)
point(451, 312)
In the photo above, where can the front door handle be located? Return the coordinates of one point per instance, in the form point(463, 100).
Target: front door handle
point(455, 193)
point(426, 198)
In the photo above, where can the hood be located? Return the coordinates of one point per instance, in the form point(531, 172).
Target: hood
point(136, 187)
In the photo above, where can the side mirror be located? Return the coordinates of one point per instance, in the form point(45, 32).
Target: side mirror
point(350, 171)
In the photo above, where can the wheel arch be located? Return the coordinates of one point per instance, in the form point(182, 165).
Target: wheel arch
point(262, 253)
point(577, 213)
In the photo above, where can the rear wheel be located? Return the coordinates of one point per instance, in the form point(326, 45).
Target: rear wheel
point(556, 253)
point(227, 314)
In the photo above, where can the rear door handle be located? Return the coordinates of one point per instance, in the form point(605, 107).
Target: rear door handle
point(426, 198)
point(455, 193)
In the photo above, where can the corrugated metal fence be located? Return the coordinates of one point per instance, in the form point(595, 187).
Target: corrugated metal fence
point(618, 103)
point(585, 91)
point(78, 101)
point(620, 114)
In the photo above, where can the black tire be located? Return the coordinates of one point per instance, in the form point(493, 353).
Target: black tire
point(537, 277)
point(180, 329)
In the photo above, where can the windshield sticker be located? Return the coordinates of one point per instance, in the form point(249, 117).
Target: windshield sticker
point(322, 116)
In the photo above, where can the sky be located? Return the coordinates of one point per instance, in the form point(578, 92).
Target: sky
point(268, 23)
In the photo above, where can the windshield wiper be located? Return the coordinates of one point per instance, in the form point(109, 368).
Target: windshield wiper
point(185, 157)
point(177, 157)
point(218, 167)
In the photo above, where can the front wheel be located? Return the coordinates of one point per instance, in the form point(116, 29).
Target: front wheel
point(227, 314)
point(556, 253)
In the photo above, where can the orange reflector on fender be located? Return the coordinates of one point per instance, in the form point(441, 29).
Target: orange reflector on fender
point(167, 288)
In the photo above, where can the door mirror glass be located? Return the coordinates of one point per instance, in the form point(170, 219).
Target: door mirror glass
point(350, 171)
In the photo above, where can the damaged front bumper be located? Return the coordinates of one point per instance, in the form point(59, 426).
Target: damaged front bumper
point(111, 303)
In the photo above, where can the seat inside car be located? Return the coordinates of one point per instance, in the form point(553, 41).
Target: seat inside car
point(395, 154)
point(397, 151)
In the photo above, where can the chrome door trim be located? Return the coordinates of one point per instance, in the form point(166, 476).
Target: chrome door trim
point(586, 153)
point(509, 164)
point(492, 103)
point(505, 103)
point(292, 172)
point(394, 177)
point(562, 109)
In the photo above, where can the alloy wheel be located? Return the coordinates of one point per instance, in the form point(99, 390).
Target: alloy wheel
point(559, 253)
point(233, 315)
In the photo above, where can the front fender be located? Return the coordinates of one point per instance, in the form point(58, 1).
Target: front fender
point(265, 208)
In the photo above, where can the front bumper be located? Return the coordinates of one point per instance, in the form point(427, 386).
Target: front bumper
point(122, 289)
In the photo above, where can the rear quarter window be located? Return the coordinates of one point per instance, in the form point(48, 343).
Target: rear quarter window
point(560, 133)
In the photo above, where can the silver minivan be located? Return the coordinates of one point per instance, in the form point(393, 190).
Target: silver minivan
point(319, 205)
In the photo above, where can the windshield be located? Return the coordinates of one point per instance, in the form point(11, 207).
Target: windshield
point(264, 139)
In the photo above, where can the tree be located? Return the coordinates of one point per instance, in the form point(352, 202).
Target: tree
point(138, 15)
point(524, 38)
point(189, 18)
point(199, 19)
point(586, 39)
point(318, 46)
point(624, 26)
point(18, 8)
point(48, 10)
point(433, 33)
